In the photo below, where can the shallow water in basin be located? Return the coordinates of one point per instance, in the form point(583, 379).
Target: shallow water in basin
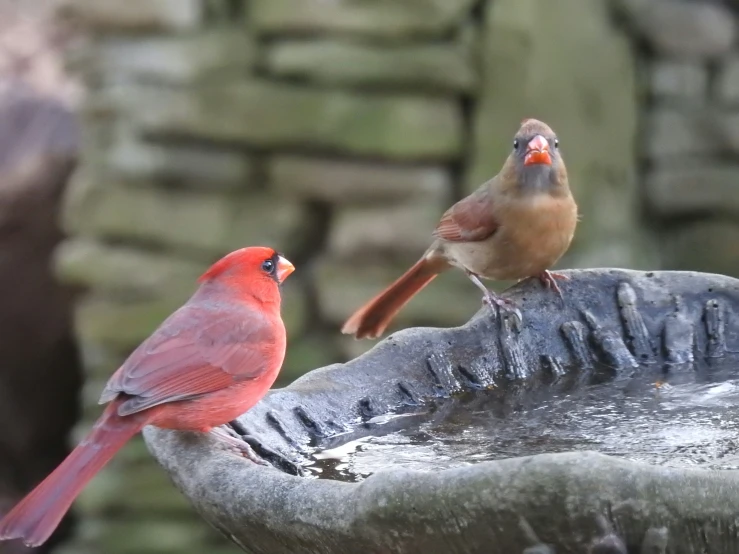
point(689, 424)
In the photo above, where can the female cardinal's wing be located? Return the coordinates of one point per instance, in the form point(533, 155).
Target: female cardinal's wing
point(469, 220)
point(195, 351)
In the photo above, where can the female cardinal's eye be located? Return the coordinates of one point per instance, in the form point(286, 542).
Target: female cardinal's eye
point(515, 144)
point(268, 266)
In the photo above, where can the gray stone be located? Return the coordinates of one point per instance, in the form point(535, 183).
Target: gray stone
point(206, 222)
point(271, 116)
point(355, 182)
point(398, 229)
point(296, 312)
point(124, 269)
point(177, 59)
point(678, 133)
point(148, 493)
point(705, 245)
point(352, 348)
point(581, 82)
point(303, 352)
point(141, 213)
point(725, 126)
point(678, 80)
point(691, 30)
point(343, 287)
point(267, 220)
point(122, 325)
point(727, 81)
point(136, 15)
point(629, 11)
point(401, 19)
point(566, 500)
point(442, 67)
point(191, 166)
point(119, 535)
point(689, 189)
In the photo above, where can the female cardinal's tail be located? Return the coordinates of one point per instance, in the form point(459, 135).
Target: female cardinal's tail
point(371, 319)
point(36, 517)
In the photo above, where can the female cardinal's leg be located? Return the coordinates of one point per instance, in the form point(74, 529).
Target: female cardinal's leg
point(223, 435)
point(492, 299)
point(549, 280)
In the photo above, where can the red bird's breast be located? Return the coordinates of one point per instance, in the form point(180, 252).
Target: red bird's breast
point(218, 408)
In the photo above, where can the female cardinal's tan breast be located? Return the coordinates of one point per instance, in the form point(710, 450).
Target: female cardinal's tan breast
point(533, 232)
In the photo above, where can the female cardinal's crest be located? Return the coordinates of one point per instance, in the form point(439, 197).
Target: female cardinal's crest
point(531, 125)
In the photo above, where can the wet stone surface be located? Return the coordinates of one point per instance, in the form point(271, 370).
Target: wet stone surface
point(671, 419)
point(603, 369)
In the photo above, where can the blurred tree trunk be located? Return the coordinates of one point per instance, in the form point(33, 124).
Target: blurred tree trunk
point(40, 369)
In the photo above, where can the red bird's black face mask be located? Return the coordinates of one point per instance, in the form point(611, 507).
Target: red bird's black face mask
point(277, 267)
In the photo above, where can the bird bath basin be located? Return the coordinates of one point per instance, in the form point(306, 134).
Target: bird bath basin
point(606, 425)
point(681, 425)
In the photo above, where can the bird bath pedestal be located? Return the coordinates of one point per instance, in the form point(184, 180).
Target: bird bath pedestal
point(629, 322)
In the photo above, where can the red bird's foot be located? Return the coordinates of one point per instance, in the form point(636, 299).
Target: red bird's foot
point(549, 280)
point(241, 447)
point(276, 459)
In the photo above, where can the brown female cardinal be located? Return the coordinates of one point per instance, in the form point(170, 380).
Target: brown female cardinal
point(516, 225)
point(207, 364)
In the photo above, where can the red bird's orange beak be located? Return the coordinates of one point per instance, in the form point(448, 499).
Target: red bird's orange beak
point(284, 269)
point(537, 152)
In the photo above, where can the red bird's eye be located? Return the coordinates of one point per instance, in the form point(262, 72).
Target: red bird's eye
point(268, 266)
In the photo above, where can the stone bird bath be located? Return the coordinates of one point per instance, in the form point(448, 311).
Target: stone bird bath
point(616, 324)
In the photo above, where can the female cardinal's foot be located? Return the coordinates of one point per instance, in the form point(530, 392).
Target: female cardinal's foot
point(222, 434)
point(493, 300)
point(549, 280)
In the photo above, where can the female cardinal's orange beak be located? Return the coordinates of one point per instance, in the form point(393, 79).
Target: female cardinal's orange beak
point(284, 268)
point(537, 152)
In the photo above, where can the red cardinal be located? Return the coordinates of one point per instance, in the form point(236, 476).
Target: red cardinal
point(516, 225)
point(207, 364)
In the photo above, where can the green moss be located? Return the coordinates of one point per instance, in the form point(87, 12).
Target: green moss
point(121, 325)
point(275, 115)
point(441, 67)
point(385, 19)
point(104, 267)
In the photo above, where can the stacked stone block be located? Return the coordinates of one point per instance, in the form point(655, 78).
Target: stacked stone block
point(690, 132)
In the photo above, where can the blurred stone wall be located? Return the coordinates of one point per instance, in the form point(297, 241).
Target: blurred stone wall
point(689, 140)
point(338, 131)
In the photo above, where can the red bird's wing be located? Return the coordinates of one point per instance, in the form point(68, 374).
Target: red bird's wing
point(469, 220)
point(196, 351)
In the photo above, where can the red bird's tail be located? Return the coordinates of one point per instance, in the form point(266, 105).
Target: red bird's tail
point(36, 517)
point(371, 319)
